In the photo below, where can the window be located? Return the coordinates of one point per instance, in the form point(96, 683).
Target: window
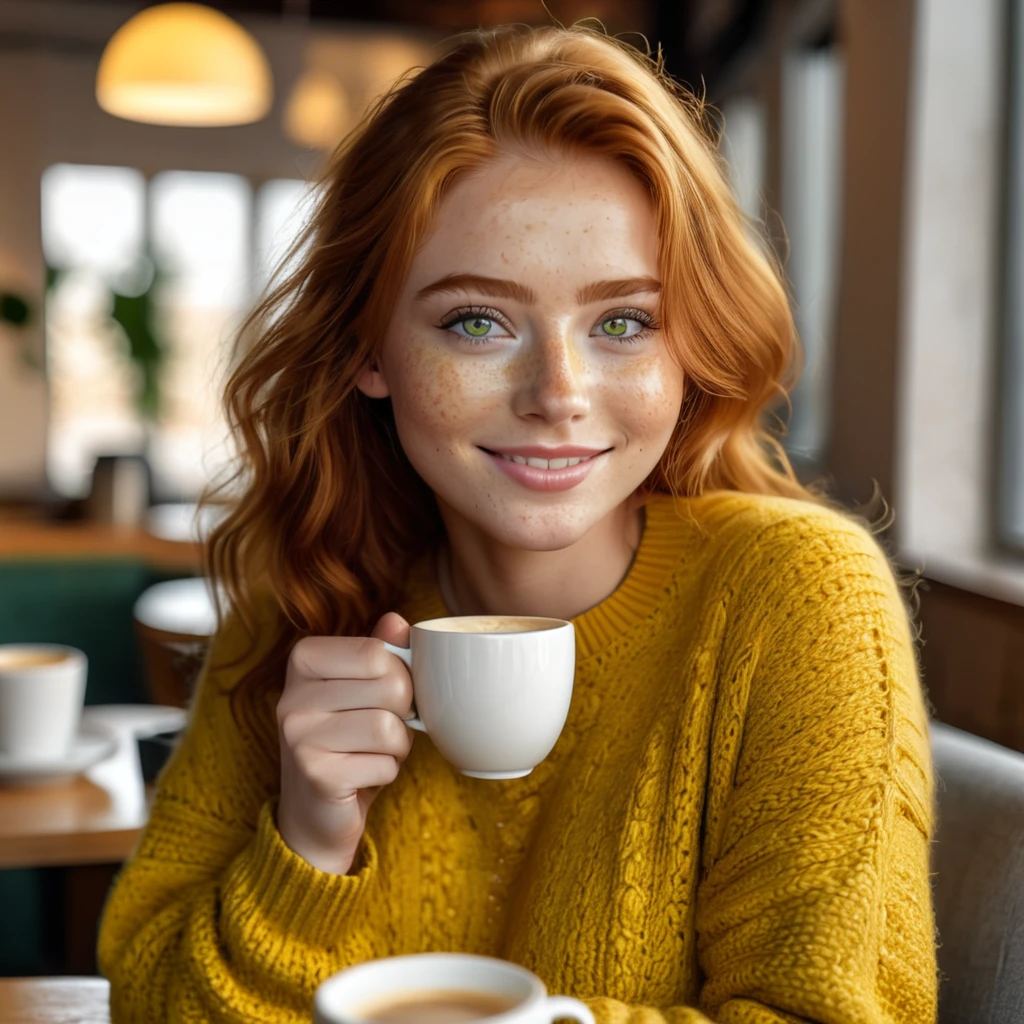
point(93, 230)
point(213, 240)
point(281, 211)
point(952, 374)
point(743, 145)
point(811, 141)
point(200, 241)
point(808, 119)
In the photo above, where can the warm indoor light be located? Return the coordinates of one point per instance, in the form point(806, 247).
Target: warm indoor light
point(318, 111)
point(184, 64)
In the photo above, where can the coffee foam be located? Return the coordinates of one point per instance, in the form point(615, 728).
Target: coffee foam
point(15, 658)
point(442, 1006)
point(490, 624)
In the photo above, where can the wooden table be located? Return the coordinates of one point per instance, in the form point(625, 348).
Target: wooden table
point(89, 540)
point(95, 818)
point(54, 1001)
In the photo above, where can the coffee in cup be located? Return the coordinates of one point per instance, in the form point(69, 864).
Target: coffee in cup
point(435, 1006)
point(440, 988)
point(42, 690)
point(491, 691)
point(29, 657)
point(495, 624)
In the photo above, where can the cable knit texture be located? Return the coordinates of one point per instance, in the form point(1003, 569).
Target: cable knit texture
point(733, 826)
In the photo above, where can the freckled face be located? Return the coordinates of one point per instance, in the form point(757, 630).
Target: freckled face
point(559, 346)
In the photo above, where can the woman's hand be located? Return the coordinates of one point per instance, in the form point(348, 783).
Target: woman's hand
point(342, 738)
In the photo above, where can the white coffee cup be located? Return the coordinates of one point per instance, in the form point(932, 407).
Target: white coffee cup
point(491, 691)
point(347, 997)
point(42, 690)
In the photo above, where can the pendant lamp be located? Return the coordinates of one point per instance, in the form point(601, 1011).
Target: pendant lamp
point(184, 64)
point(318, 112)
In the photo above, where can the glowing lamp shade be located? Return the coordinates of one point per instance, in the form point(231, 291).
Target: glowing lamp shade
point(184, 64)
point(318, 112)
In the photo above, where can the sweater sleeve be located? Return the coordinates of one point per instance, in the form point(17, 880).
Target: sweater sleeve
point(815, 902)
point(213, 917)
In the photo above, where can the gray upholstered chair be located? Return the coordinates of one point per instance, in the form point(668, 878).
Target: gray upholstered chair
point(978, 861)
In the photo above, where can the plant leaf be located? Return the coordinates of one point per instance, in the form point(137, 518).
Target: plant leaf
point(134, 314)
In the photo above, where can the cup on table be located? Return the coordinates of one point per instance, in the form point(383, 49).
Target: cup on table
point(491, 691)
point(440, 988)
point(42, 690)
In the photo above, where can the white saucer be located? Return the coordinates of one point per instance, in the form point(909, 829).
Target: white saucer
point(133, 719)
point(92, 744)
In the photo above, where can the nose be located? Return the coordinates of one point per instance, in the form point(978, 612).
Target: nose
point(553, 384)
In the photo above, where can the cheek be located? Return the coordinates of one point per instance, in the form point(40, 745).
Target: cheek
point(648, 396)
point(438, 392)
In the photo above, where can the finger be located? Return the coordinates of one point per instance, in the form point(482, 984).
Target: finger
point(369, 731)
point(368, 771)
point(336, 776)
point(393, 629)
point(340, 657)
point(392, 692)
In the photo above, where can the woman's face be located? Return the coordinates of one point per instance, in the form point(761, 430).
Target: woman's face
point(528, 328)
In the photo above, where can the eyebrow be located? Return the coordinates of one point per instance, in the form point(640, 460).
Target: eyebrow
point(504, 289)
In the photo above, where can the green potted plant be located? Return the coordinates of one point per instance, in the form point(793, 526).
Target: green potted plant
point(135, 328)
point(135, 311)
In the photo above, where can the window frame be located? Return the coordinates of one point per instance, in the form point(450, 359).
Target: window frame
point(1008, 499)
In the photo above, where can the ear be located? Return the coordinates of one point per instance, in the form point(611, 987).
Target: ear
point(371, 381)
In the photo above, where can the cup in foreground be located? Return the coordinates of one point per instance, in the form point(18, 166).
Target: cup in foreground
point(42, 690)
point(441, 988)
point(491, 691)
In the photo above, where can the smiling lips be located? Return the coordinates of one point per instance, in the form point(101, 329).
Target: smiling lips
point(546, 469)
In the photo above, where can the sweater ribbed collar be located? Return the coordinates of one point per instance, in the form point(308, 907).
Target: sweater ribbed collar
point(634, 598)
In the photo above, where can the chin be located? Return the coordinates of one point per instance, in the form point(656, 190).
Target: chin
point(539, 538)
point(536, 528)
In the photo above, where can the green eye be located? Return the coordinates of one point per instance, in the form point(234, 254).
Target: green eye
point(615, 327)
point(477, 327)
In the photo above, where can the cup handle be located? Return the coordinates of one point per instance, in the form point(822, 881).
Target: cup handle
point(566, 1006)
point(405, 653)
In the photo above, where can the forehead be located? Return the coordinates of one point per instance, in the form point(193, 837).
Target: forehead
point(576, 214)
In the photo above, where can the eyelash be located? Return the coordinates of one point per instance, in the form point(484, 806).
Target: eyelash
point(489, 313)
point(641, 316)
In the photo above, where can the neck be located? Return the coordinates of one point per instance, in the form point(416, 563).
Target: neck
point(476, 576)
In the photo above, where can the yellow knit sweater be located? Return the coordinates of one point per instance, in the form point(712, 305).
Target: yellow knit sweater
point(732, 827)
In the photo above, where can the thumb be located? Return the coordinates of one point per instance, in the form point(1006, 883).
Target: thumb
point(392, 629)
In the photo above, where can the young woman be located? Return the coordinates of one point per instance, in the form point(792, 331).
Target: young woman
point(522, 368)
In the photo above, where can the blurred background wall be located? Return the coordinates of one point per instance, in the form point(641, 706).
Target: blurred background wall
point(878, 143)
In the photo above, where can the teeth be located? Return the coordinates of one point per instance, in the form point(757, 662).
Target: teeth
point(545, 463)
